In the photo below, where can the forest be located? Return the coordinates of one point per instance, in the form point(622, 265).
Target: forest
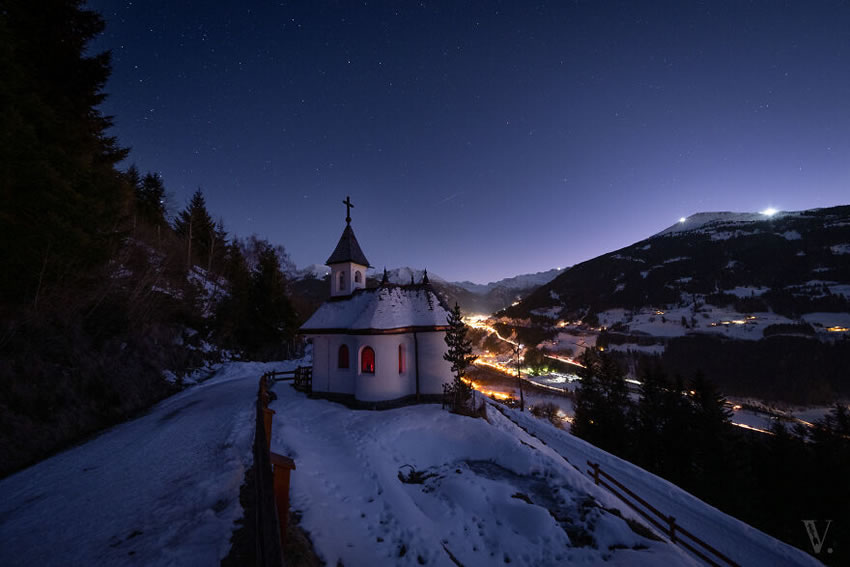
point(109, 299)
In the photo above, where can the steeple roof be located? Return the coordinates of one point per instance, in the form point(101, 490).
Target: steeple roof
point(348, 250)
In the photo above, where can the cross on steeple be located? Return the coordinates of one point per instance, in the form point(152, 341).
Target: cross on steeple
point(348, 207)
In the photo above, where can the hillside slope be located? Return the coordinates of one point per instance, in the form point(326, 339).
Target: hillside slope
point(697, 291)
point(789, 263)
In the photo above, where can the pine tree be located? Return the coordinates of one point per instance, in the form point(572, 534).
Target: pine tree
point(196, 226)
point(61, 198)
point(234, 311)
point(150, 200)
point(676, 434)
point(602, 403)
point(272, 311)
point(459, 354)
point(588, 398)
point(651, 416)
point(711, 439)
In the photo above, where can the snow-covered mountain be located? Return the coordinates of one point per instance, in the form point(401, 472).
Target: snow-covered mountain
point(521, 282)
point(712, 222)
point(317, 271)
point(472, 297)
point(730, 293)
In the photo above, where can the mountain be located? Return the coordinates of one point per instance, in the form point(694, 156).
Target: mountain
point(311, 285)
point(522, 282)
point(740, 295)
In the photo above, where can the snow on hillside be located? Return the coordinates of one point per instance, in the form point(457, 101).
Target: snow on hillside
point(491, 495)
point(164, 489)
point(523, 281)
point(318, 271)
point(713, 222)
point(402, 276)
point(741, 542)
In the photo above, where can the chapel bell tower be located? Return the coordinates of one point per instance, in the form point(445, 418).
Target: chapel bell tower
point(348, 264)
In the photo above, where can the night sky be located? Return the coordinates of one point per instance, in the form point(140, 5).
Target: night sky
point(482, 139)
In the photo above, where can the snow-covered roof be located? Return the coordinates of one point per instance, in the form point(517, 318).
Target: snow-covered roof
point(348, 250)
point(385, 308)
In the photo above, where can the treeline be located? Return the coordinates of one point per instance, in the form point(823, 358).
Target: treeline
point(792, 369)
point(682, 432)
point(106, 302)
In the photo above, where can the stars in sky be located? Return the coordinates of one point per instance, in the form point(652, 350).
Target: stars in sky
point(565, 130)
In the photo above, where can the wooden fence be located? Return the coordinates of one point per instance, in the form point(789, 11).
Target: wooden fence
point(271, 486)
point(666, 524)
point(302, 378)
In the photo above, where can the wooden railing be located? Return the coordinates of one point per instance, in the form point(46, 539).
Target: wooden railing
point(272, 484)
point(302, 378)
point(666, 524)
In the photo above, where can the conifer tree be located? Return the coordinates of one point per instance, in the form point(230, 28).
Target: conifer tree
point(651, 416)
point(234, 310)
point(273, 313)
point(711, 439)
point(196, 226)
point(150, 199)
point(459, 354)
point(602, 403)
point(676, 434)
point(588, 398)
point(61, 198)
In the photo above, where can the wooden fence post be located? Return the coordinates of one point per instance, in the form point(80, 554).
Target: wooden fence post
point(282, 465)
point(595, 475)
point(268, 415)
point(672, 521)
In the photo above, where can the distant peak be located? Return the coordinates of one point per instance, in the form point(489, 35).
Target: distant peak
point(709, 220)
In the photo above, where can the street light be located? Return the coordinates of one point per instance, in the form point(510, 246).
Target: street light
point(518, 350)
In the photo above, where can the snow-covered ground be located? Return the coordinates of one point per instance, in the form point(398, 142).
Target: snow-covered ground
point(495, 494)
point(162, 489)
point(739, 541)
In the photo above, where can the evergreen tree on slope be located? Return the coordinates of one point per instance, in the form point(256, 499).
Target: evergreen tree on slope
point(459, 354)
point(196, 226)
point(61, 199)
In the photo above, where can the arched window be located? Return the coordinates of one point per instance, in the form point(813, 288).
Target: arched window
point(341, 281)
point(342, 358)
point(367, 361)
point(401, 361)
point(357, 276)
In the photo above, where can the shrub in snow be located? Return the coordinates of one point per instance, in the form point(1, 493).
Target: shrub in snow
point(548, 411)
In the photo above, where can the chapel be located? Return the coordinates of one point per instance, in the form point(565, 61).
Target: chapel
point(380, 346)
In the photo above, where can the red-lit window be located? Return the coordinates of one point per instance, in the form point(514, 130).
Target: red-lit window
point(367, 361)
point(401, 361)
point(342, 359)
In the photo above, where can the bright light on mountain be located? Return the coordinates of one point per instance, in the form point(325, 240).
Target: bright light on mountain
point(683, 219)
point(770, 211)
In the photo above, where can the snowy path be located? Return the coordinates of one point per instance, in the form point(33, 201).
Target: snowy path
point(739, 541)
point(162, 489)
